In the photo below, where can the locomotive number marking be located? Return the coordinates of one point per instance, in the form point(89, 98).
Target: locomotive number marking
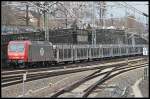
point(41, 51)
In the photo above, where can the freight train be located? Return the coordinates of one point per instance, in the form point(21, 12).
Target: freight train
point(28, 53)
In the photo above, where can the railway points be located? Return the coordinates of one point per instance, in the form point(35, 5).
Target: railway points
point(60, 77)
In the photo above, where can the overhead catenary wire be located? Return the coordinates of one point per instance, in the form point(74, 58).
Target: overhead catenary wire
point(59, 3)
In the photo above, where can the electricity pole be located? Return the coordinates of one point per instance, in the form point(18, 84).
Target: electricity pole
point(27, 15)
point(93, 30)
point(46, 23)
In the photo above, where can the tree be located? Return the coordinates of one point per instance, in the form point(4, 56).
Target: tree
point(8, 16)
point(74, 25)
point(102, 11)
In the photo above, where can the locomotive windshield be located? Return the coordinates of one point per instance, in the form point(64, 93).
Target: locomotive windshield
point(16, 47)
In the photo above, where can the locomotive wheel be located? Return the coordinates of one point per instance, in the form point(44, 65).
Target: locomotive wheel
point(21, 65)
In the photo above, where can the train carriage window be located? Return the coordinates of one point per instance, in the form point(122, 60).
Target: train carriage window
point(109, 51)
point(55, 53)
point(69, 53)
point(65, 53)
point(141, 49)
point(78, 52)
point(91, 51)
point(100, 51)
point(136, 49)
point(94, 51)
point(130, 49)
point(123, 50)
point(81, 52)
point(117, 51)
point(85, 52)
point(105, 51)
point(114, 50)
point(97, 52)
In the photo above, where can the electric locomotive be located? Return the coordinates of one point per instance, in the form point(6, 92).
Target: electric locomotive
point(25, 53)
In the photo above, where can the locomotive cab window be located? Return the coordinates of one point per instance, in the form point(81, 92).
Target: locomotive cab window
point(16, 47)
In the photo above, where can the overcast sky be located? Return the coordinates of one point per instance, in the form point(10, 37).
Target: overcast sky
point(120, 11)
point(140, 6)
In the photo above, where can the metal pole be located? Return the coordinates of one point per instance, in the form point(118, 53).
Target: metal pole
point(27, 15)
point(103, 13)
point(93, 30)
point(44, 15)
point(46, 24)
point(47, 31)
point(24, 79)
point(93, 26)
point(126, 19)
point(23, 88)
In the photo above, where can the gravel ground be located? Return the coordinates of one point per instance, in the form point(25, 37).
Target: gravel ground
point(16, 90)
point(144, 87)
point(122, 81)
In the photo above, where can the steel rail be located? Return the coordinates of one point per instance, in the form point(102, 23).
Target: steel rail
point(101, 81)
point(79, 82)
point(11, 80)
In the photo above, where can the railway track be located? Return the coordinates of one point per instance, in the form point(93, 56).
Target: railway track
point(105, 77)
point(61, 66)
point(6, 71)
point(11, 79)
